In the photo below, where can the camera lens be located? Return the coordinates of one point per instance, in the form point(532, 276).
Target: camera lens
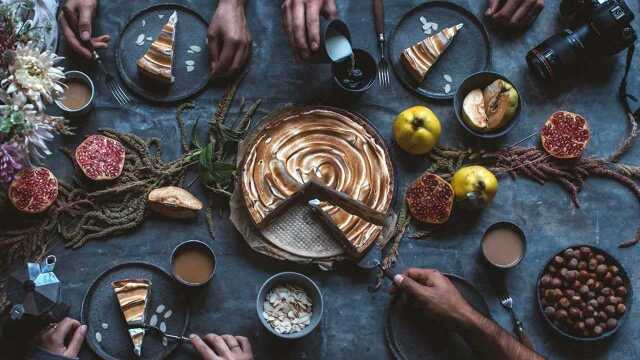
point(557, 55)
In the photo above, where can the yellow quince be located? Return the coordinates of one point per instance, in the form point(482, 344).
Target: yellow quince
point(417, 130)
point(475, 184)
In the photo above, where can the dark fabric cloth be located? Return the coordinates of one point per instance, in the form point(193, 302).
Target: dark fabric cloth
point(40, 354)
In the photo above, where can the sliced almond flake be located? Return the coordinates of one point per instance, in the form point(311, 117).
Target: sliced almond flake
point(190, 68)
point(168, 314)
point(447, 88)
point(149, 38)
point(160, 308)
point(190, 62)
point(195, 48)
point(190, 52)
point(423, 20)
point(140, 39)
point(154, 320)
point(160, 16)
point(144, 22)
point(164, 341)
point(163, 327)
point(448, 78)
point(98, 336)
point(105, 326)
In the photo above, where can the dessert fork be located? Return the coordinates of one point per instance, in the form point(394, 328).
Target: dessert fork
point(180, 339)
point(383, 65)
point(507, 303)
point(112, 84)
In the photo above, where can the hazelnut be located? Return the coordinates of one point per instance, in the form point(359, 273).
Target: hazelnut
point(601, 300)
point(620, 309)
point(558, 260)
point(558, 293)
point(561, 314)
point(610, 309)
point(565, 303)
point(573, 263)
point(606, 291)
point(590, 295)
point(600, 258)
point(563, 272)
point(572, 275)
point(617, 281)
point(582, 265)
point(577, 254)
point(569, 293)
point(549, 311)
point(597, 286)
point(590, 283)
point(593, 264)
point(621, 291)
point(613, 300)
point(545, 281)
point(575, 313)
point(612, 323)
point(614, 270)
point(586, 251)
point(601, 269)
point(576, 300)
point(583, 275)
point(597, 330)
point(584, 289)
point(576, 285)
point(552, 269)
point(555, 282)
point(607, 278)
point(589, 311)
point(550, 294)
point(602, 316)
point(579, 326)
point(568, 253)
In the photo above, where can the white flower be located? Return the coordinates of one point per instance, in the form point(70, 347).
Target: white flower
point(34, 76)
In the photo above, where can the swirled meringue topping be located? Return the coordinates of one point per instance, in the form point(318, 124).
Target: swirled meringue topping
point(325, 146)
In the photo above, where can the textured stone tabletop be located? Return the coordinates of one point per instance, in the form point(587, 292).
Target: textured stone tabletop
point(352, 326)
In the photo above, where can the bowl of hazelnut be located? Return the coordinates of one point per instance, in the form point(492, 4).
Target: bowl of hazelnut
point(584, 293)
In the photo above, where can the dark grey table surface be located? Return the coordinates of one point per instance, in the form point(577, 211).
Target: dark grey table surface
point(352, 327)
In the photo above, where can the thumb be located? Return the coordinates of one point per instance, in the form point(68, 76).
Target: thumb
point(408, 284)
point(492, 8)
point(84, 24)
point(76, 342)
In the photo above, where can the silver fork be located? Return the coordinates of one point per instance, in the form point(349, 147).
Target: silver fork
point(383, 65)
point(507, 303)
point(112, 84)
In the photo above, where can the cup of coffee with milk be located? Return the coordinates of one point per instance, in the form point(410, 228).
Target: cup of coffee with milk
point(503, 245)
point(79, 94)
point(193, 263)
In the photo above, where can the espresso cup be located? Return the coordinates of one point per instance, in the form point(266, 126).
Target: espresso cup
point(88, 106)
point(502, 259)
point(190, 257)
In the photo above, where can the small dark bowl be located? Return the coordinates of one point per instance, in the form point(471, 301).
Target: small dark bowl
point(310, 287)
point(510, 226)
point(628, 300)
point(481, 80)
point(192, 244)
point(369, 67)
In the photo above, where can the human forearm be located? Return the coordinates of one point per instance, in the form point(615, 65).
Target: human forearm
point(489, 341)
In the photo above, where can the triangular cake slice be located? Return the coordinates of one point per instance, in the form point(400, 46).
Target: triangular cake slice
point(157, 62)
point(133, 296)
point(419, 58)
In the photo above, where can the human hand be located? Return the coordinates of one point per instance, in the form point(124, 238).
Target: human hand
point(516, 14)
point(301, 20)
point(53, 340)
point(75, 22)
point(433, 293)
point(229, 38)
point(225, 347)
